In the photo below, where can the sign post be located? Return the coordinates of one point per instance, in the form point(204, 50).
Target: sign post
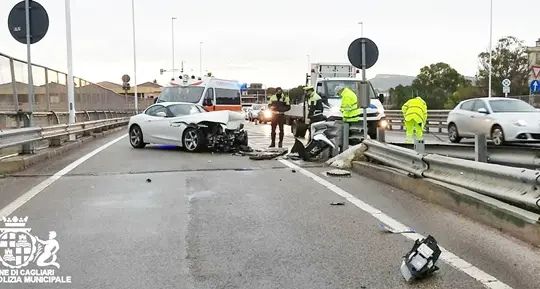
point(506, 86)
point(28, 23)
point(363, 53)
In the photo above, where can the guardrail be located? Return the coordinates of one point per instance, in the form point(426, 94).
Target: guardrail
point(49, 129)
point(517, 186)
point(436, 120)
point(514, 156)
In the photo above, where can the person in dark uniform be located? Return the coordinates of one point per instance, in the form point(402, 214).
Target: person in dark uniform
point(278, 105)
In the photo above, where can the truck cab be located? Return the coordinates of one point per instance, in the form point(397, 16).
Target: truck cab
point(326, 77)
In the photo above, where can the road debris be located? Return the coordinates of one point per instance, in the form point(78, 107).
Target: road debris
point(394, 231)
point(148, 180)
point(420, 261)
point(338, 173)
point(337, 204)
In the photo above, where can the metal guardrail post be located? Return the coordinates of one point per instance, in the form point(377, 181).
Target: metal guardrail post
point(381, 134)
point(419, 146)
point(345, 138)
point(27, 148)
point(480, 148)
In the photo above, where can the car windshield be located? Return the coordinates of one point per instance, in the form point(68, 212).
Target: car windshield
point(183, 109)
point(191, 94)
point(352, 84)
point(510, 105)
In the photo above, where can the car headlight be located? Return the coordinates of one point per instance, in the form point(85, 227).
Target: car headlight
point(383, 123)
point(267, 114)
point(520, 123)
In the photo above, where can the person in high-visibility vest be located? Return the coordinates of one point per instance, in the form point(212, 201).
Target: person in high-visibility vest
point(349, 104)
point(315, 105)
point(279, 103)
point(415, 117)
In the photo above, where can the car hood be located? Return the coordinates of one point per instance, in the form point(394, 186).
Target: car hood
point(528, 117)
point(231, 119)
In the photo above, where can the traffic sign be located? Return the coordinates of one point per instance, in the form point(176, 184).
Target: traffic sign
point(506, 89)
point(39, 22)
point(126, 78)
point(506, 82)
point(535, 86)
point(355, 53)
point(536, 71)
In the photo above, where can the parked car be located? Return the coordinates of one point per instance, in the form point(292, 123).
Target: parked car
point(500, 119)
point(254, 111)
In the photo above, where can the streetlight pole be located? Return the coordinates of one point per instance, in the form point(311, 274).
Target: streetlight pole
point(172, 31)
point(70, 85)
point(134, 58)
point(490, 44)
point(200, 59)
point(361, 29)
point(308, 62)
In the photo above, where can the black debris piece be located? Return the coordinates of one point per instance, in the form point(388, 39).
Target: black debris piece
point(337, 204)
point(148, 180)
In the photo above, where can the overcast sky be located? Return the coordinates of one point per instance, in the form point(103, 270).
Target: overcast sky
point(266, 41)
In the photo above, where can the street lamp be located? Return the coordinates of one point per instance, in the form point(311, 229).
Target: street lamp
point(134, 58)
point(172, 34)
point(200, 59)
point(361, 29)
point(308, 62)
point(70, 84)
point(490, 44)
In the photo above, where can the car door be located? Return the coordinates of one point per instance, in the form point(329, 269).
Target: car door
point(155, 124)
point(462, 117)
point(482, 121)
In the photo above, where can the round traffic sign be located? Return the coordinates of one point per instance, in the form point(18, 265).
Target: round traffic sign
point(506, 82)
point(355, 53)
point(39, 22)
point(126, 78)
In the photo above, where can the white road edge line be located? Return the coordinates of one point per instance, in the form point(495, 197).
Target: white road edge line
point(484, 278)
point(7, 210)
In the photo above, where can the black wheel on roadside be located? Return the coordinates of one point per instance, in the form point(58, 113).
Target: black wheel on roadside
point(136, 137)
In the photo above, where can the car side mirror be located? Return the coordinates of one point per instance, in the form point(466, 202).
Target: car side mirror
point(483, 110)
point(161, 114)
point(381, 98)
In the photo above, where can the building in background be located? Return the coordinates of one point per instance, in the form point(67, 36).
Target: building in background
point(144, 90)
point(255, 93)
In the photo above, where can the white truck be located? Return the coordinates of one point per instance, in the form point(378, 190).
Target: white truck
point(325, 77)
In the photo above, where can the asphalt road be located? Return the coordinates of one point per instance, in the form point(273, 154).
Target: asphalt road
point(162, 218)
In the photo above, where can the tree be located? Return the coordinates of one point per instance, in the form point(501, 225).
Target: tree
point(296, 94)
point(437, 82)
point(270, 91)
point(399, 95)
point(155, 81)
point(509, 60)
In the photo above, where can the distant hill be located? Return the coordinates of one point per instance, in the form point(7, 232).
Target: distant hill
point(384, 82)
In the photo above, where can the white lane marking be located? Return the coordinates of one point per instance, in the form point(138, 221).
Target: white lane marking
point(6, 211)
point(484, 278)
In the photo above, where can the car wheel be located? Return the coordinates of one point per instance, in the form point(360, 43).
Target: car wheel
point(192, 139)
point(497, 135)
point(136, 137)
point(453, 134)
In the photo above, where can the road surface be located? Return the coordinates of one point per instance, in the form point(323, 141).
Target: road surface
point(162, 218)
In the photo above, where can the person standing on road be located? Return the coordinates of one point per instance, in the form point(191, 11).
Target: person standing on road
point(278, 105)
point(349, 104)
point(415, 117)
point(315, 105)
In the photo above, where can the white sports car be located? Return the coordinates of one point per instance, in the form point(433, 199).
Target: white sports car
point(189, 126)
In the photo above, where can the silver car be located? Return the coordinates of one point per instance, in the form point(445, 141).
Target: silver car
point(254, 111)
point(500, 119)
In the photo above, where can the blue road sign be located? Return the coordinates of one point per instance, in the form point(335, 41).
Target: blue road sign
point(535, 86)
